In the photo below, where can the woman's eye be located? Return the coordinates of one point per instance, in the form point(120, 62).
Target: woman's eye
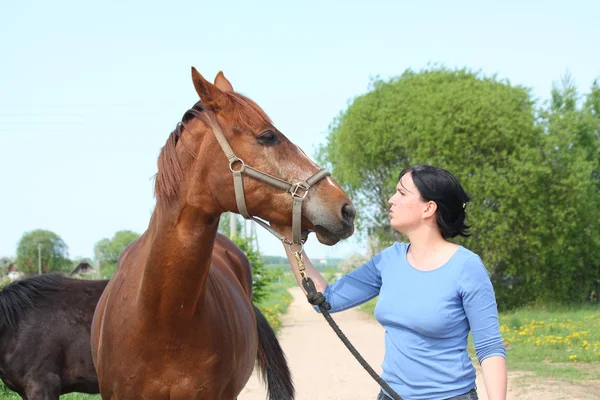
point(268, 137)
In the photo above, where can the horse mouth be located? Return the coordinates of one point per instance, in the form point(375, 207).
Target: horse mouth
point(325, 236)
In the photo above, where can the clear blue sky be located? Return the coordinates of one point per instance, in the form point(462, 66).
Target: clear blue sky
point(90, 90)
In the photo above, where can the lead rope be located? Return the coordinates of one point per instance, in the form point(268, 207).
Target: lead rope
point(318, 299)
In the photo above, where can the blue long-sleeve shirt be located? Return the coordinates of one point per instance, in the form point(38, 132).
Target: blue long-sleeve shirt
point(427, 316)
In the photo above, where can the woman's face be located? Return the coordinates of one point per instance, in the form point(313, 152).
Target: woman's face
point(407, 206)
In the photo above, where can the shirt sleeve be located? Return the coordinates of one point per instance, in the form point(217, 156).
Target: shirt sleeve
point(479, 302)
point(355, 288)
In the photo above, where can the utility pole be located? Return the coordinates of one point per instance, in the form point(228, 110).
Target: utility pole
point(39, 258)
point(254, 236)
point(232, 225)
point(97, 257)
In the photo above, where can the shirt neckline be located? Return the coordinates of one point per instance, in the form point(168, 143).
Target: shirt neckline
point(430, 270)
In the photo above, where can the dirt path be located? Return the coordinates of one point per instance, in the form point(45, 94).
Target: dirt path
point(323, 369)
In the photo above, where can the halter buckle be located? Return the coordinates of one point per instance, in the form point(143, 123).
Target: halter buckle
point(300, 186)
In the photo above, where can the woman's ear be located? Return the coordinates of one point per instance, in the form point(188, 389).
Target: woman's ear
point(430, 209)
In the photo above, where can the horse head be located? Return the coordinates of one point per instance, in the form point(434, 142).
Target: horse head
point(225, 119)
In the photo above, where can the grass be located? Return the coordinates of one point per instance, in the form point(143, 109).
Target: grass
point(558, 342)
point(549, 341)
point(277, 302)
point(6, 394)
point(558, 335)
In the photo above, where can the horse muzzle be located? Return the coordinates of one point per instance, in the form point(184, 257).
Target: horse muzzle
point(330, 229)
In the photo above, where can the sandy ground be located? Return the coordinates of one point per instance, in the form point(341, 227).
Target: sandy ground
point(323, 369)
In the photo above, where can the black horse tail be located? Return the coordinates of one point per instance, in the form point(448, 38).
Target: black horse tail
point(273, 367)
point(21, 295)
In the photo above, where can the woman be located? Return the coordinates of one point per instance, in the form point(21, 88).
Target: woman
point(431, 294)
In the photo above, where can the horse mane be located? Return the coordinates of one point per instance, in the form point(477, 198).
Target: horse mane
point(168, 178)
point(21, 295)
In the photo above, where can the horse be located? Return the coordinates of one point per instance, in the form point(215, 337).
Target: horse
point(45, 324)
point(176, 320)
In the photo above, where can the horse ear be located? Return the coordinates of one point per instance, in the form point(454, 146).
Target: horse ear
point(209, 93)
point(222, 83)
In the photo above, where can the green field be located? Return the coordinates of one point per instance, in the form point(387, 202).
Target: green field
point(6, 394)
point(557, 342)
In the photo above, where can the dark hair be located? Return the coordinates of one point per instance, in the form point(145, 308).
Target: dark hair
point(439, 185)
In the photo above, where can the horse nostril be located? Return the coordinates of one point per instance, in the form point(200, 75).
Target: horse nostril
point(348, 213)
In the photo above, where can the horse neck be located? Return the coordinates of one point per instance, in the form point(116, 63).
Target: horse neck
point(178, 248)
point(177, 264)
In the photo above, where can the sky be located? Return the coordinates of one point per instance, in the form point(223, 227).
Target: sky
point(90, 90)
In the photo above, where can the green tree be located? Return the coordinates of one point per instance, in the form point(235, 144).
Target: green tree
point(572, 196)
point(481, 129)
point(54, 252)
point(275, 259)
point(108, 251)
point(224, 224)
point(591, 137)
point(260, 278)
point(4, 263)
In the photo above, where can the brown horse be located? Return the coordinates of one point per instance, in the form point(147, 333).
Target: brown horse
point(176, 320)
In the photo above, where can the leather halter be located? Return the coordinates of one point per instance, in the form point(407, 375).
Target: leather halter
point(297, 190)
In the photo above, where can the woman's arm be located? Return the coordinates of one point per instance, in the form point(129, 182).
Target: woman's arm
point(479, 302)
point(494, 376)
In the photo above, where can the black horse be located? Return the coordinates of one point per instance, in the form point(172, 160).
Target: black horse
point(45, 326)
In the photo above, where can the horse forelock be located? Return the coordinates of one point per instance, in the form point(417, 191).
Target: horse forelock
point(246, 112)
point(22, 295)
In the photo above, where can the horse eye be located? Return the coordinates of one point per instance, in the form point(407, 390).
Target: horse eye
point(268, 137)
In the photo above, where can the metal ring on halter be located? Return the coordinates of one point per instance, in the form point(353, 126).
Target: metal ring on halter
point(242, 168)
point(298, 244)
